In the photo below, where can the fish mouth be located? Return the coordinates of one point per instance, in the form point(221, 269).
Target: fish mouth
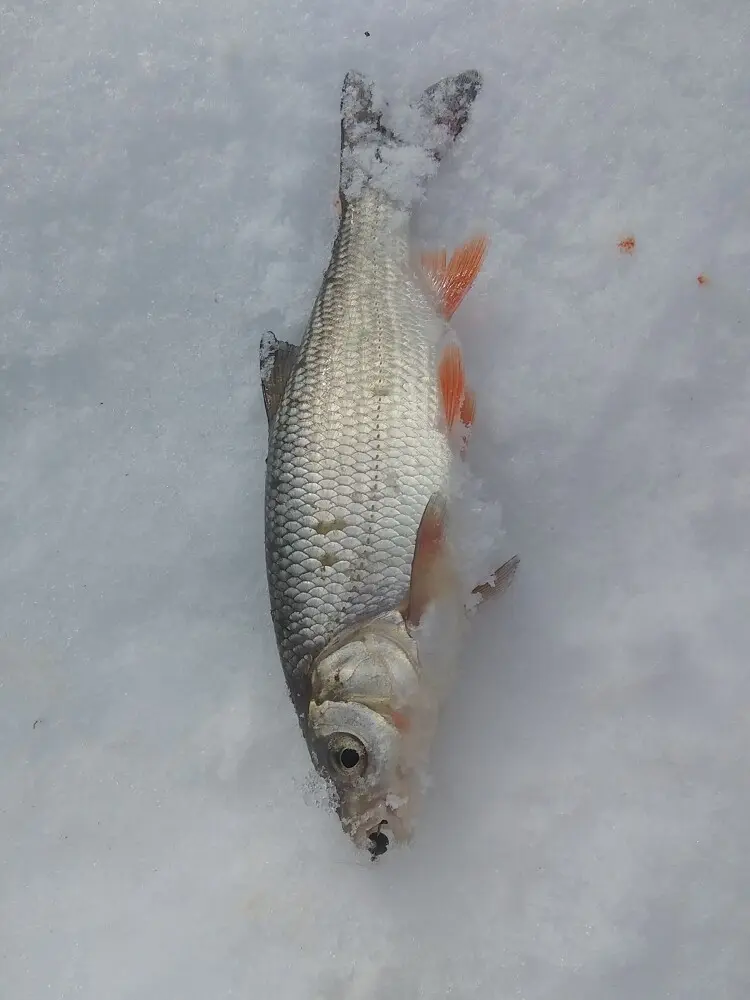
point(378, 840)
point(379, 831)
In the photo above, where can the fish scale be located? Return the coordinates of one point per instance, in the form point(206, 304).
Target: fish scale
point(363, 421)
point(355, 449)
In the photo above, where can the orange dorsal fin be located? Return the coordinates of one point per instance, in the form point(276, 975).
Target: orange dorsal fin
point(453, 279)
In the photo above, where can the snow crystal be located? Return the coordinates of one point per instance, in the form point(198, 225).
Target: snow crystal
point(396, 149)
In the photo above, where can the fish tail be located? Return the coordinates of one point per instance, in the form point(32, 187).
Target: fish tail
point(396, 150)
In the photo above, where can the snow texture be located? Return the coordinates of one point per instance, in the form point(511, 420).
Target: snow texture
point(167, 173)
point(396, 149)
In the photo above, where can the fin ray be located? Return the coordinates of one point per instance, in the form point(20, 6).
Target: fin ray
point(425, 568)
point(452, 382)
point(373, 142)
point(277, 359)
point(499, 582)
point(453, 278)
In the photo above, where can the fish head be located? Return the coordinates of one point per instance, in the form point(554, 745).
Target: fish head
point(370, 720)
point(358, 750)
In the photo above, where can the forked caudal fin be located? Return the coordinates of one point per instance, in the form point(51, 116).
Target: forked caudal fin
point(397, 150)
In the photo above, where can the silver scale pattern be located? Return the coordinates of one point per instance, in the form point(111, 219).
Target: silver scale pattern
point(355, 451)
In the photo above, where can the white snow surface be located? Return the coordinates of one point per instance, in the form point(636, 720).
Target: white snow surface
point(167, 173)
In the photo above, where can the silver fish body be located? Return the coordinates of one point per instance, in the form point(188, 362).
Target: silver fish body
point(356, 450)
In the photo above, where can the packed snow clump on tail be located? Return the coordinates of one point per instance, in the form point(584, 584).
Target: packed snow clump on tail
point(396, 151)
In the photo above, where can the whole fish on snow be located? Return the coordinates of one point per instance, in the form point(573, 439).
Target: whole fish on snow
point(366, 419)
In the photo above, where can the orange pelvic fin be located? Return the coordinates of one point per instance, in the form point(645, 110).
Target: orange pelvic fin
point(468, 407)
point(452, 382)
point(458, 399)
point(453, 278)
point(467, 415)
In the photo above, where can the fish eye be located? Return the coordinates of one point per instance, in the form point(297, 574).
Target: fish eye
point(349, 757)
point(346, 754)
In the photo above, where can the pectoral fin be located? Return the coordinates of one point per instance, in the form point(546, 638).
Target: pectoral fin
point(431, 572)
point(428, 571)
point(499, 582)
point(277, 359)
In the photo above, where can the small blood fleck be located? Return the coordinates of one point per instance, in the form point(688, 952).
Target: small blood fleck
point(627, 244)
point(703, 279)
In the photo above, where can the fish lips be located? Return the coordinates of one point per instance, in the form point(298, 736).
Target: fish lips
point(376, 829)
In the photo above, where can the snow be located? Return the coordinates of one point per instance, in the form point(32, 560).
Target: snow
point(167, 173)
point(395, 148)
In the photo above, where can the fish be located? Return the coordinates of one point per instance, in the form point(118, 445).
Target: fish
point(367, 419)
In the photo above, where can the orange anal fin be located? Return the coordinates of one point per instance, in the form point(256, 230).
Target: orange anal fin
point(452, 382)
point(425, 567)
point(435, 264)
point(464, 266)
point(453, 279)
